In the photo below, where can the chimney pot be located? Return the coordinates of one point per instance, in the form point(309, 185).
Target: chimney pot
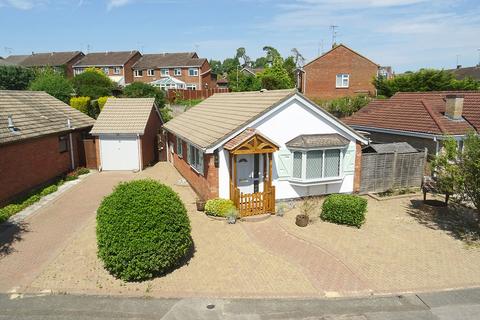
point(454, 106)
point(11, 125)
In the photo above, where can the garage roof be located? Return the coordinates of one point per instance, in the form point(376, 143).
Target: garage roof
point(124, 115)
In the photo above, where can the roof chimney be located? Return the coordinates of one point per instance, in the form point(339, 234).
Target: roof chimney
point(69, 123)
point(454, 106)
point(11, 125)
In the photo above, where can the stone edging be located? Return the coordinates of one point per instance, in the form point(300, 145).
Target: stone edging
point(408, 195)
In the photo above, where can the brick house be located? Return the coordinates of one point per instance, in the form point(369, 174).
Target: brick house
point(116, 65)
point(422, 119)
point(60, 61)
point(337, 73)
point(184, 70)
point(258, 147)
point(40, 139)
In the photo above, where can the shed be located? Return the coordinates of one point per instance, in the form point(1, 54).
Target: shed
point(395, 147)
point(126, 130)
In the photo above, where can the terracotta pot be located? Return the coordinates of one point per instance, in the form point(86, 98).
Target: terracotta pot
point(200, 205)
point(301, 220)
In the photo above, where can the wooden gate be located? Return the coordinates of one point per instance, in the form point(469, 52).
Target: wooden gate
point(250, 204)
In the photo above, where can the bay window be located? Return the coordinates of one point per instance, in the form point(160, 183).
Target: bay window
point(316, 164)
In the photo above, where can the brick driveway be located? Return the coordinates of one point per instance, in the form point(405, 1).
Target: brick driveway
point(273, 258)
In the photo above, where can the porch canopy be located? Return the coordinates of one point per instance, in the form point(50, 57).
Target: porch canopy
point(252, 141)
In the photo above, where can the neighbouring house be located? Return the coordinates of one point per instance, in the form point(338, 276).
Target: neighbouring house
point(466, 72)
point(422, 119)
point(258, 147)
point(126, 134)
point(40, 140)
point(337, 73)
point(117, 65)
point(222, 82)
point(59, 61)
point(183, 70)
point(251, 71)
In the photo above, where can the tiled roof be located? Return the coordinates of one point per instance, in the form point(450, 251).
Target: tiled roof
point(395, 147)
point(124, 115)
point(307, 141)
point(421, 112)
point(224, 113)
point(16, 59)
point(35, 114)
point(163, 60)
point(47, 59)
point(118, 58)
point(462, 73)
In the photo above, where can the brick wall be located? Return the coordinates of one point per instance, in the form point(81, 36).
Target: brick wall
point(358, 167)
point(31, 163)
point(128, 71)
point(417, 143)
point(149, 139)
point(69, 65)
point(206, 185)
point(320, 75)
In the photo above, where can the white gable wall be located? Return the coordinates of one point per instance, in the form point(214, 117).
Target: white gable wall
point(284, 124)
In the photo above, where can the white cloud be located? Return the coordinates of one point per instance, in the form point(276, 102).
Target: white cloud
point(117, 3)
point(19, 4)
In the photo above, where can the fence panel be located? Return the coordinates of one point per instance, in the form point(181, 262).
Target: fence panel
point(174, 94)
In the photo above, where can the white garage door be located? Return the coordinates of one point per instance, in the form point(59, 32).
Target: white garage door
point(119, 153)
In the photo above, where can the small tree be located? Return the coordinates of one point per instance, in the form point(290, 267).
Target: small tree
point(93, 83)
point(145, 90)
point(53, 83)
point(276, 76)
point(470, 168)
point(15, 77)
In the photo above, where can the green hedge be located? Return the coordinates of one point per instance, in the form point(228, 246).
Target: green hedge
point(142, 230)
point(219, 207)
point(344, 209)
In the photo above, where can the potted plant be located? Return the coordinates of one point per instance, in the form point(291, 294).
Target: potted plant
point(306, 208)
point(232, 216)
point(281, 208)
point(200, 204)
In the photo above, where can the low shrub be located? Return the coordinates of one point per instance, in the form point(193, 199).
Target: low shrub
point(81, 170)
point(81, 104)
point(48, 190)
point(344, 209)
point(142, 230)
point(219, 207)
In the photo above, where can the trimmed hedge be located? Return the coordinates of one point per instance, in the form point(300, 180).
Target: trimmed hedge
point(344, 209)
point(219, 207)
point(142, 230)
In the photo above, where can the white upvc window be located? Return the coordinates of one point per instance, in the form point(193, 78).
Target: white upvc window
point(105, 70)
point(78, 71)
point(117, 70)
point(164, 72)
point(191, 86)
point(193, 72)
point(150, 72)
point(138, 73)
point(314, 165)
point(177, 72)
point(179, 147)
point(195, 158)
point(342, 80)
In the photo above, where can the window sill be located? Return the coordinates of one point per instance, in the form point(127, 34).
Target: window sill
point(313, 182)
point(342, 87)
point(195, 170)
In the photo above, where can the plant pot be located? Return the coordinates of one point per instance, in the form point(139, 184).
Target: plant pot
point(301, 220)
point(200, 205)
point(231, 220)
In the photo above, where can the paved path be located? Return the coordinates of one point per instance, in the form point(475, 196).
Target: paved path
point(327, 273)
point(43, 235)
point(453, 305)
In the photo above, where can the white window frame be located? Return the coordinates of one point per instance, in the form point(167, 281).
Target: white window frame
point(303, 178)
point(191, 86)
point(164, 72)
point(195, 159)
point(106, 70)
point(193, 72)
point(117, 70)
point(150, 72)
point(177, 72)
point(138, 73)
point(78, 71)
point(179, 147)
point(340, 80)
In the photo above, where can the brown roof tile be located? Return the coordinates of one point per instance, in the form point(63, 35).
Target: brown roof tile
point(53, 59)
point(163, 60)
point(109, 58)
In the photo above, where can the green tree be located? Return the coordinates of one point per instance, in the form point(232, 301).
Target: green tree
point(271, 54)
point(15, 77)
point(53, 83)
point(145, 90)
point(423, 80)
point(244, 83)
point(276, 76)
point(470, 168)
point(261, 62)
point(291, 67)
point(242, 54)
point(216, 66)
point(230, 64)
point(93, 83)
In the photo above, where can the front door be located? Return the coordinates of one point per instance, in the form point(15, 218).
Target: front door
point(250, 173)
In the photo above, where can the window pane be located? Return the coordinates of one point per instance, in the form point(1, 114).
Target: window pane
point(339, 80)
point(297, 165)
point(314, 164)
point(332, 163)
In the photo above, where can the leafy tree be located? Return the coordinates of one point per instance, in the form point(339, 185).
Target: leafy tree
point(53, 83)
point(145, 90)
point(216, 66)
point(290, 66)
point(93, 83)
point(242, 54)
point(470, 168)
point(244, 83)
point(15, 77)
point(261, 62)
point(298, 58)
point(276, 76)
point(230, 64)
point(423, 80)
point(271, 54)
point(344, 106)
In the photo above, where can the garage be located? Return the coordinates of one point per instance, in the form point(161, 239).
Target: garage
point(119, 152)
point(126, 131)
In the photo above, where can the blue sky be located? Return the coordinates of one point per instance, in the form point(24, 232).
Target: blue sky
point(407, 34)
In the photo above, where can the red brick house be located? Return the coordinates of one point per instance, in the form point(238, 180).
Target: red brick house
point(60, 61)
point(184, 70)
point(422, 119)
point(40, 139)
point(337, 73)
point(126, 134)
point(116, 65)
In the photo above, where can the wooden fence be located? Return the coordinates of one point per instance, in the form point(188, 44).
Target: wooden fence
point(174, 94)
point(384, 171)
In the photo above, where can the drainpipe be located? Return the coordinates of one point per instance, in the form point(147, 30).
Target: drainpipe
point(72, 158)
point(140, 158)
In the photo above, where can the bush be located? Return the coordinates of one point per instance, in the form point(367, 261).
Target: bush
point(93, 83)
point(145, 90)
point(15, 77)
point(101, 102)
point(48, 190)
point(82, 104)
point(81, 170)
point(219, 207)
point(142, 230)
point(53, 83)
point(344, 209)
